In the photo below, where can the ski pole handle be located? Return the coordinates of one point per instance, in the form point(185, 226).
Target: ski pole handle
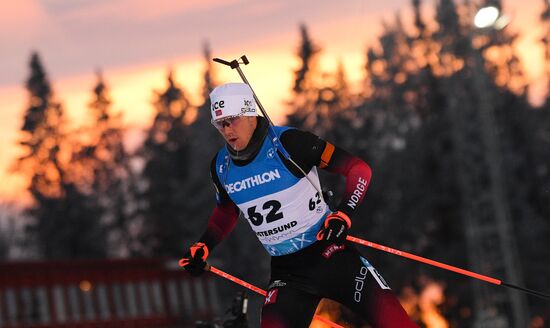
point(234, 64)
point(221, 61)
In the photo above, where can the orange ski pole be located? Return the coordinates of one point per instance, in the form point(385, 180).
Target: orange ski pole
point(445, 266)
point(235, 279)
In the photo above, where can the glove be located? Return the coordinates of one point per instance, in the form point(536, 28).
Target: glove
point(194, 260)
point(335, 228)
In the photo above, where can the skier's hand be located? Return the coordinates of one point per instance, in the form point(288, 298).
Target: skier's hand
point(335, 228)
point(194, 261)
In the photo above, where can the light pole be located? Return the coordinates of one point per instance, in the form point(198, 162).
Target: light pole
point(489, 229)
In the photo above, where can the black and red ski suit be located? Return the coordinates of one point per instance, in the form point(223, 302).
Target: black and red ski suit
point(321, 270)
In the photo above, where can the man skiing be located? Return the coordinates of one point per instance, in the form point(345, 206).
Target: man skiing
point(281, 200)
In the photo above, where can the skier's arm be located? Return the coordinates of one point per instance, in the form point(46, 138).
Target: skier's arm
point(221, 222)
point(223, 217)
point(308, 150)
point(357, 172)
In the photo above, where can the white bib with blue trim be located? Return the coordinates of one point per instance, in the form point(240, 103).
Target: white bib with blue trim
point(285, 211)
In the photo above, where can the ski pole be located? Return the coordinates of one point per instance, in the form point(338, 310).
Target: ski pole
point(235, 279)
point(234, 64)
point(258, 290)
point(445, 266)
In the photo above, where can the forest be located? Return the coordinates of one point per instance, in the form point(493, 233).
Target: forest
point(460, 160)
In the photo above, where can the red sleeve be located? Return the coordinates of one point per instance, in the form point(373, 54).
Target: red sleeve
point(357, 172)
point(222, 220)
point(223, 217)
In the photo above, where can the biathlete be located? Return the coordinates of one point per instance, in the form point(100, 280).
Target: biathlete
point(310, 256)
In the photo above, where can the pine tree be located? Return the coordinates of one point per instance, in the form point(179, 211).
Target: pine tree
point(304, 91)
point(319, 99)
point(389, 113)
point(165, 210)
point(501, 56)
point(64, 221)
point(103, 164)
point(342, 117)
point(205, 141)
point(42, 133)
point(334, 98)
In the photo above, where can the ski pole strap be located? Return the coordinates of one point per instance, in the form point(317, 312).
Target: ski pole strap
point(338, 215)
point(277, 143)
point(259, 291)
point(446, 266)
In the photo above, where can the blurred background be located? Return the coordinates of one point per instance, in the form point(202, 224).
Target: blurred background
point(106, 142)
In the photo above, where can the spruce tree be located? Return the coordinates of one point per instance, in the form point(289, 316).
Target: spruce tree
point(302, 113)
point(106, 161)
point(318, 99)
point(64, 221)
point(164, 199)
point(205, 141)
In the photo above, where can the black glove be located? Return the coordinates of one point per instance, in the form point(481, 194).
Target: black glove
point(194, 261)
point(335, 228)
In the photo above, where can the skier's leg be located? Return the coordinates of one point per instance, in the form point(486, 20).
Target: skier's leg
point(355, 283)
point(380, 307)
point(287, 307)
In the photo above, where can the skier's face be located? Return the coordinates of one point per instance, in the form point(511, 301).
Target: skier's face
point(238, 131)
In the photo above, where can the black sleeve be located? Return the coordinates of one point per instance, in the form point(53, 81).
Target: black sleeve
point(305, 148)
point(221, 194)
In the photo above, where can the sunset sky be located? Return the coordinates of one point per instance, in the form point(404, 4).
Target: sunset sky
point(134, 42)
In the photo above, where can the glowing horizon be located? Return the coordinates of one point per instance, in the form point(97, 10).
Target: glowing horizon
point(272, 51)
